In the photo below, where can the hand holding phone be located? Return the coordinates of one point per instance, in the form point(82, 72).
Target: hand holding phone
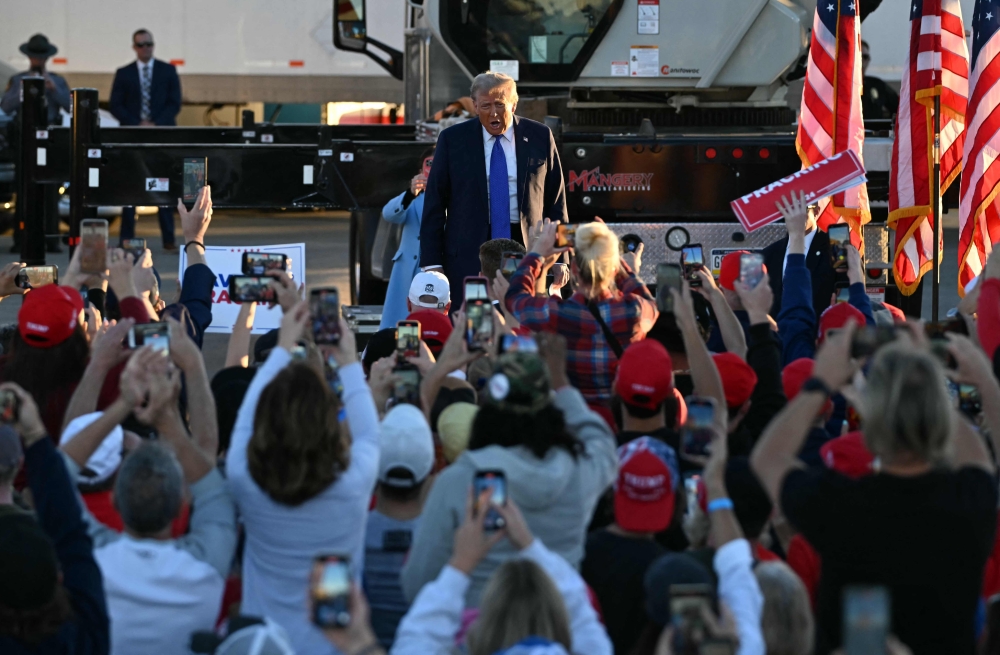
point(840, 238)
point(475, 288)
point(509, 261)
point(692, 259)
point(496, 481)
point(565, 236)
point(251, 288)
point(93, 246)
point(331, 591)
point(478, 324)
point(696, 436)
point(195, 176)
point(407, 339)
point(324, 307)
point(32, 277)
point(135, 247)
point(406, 389)
point(751, 269)
point(155, 335)
point(259, 263)
point(668, 276)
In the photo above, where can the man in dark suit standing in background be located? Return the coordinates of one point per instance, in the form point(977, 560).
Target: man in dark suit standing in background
point(818, 261)
point(491, 179)
point(147, 92)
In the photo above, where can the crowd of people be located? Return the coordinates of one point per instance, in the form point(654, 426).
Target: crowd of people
point(847, 497)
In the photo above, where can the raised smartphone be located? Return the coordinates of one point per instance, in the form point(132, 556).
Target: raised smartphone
point(251, 288)
point(475, 288)
point(134, 247)
point(331, 591)
point(407, 339)
point(478, 323)
point(155, 335)
point(692, 259)
point(866, 620)
point(696, 436)
point(840, 238)
point(258, 263)
point(509, 261)
point(495, 480)
point(324, 306)
point(751, 269)
point(668, 276)
point(93, 245)
point(195, 176)
point(32, 277)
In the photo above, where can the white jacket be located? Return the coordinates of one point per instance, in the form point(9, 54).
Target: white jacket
point(429, 628)
point(739, 590)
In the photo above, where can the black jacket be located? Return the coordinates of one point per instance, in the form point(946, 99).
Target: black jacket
point(764, 357)
point(61, 518)
point(820, 266)
point(164, 94)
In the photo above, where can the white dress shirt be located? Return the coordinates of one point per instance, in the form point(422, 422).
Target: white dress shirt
point(507, 143)
point(808, 242)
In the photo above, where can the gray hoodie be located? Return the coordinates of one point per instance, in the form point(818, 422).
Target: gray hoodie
point(556, 494)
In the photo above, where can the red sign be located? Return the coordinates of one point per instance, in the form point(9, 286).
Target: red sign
point(830, 176)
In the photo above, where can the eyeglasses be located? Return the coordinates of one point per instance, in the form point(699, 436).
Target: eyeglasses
point(144, 44)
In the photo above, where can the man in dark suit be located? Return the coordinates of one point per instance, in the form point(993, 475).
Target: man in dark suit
point(147, 92)
point(818, 261)
point(491, 179)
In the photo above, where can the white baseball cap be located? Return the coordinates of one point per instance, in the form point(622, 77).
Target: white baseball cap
point(407, 448)
point(108, 456)
point(430, 283)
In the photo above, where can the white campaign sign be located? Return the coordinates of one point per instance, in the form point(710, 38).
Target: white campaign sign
point(228, 260)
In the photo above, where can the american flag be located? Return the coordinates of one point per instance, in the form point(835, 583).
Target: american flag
point(979, 217)
point(938, 65)
point(830, 116)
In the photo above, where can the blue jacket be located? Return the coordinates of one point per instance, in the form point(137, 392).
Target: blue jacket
point(456, 218)
point(164, 94)
point(60, 516)
point(407, 210)
point(196, 299)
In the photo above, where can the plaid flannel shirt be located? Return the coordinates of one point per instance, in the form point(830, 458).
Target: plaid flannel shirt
point(629, 312)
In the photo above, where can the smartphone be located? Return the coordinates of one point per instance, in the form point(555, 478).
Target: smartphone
point(258, 263)
point(324, 306)
point(195, 172)
point(511, 343)
point(696, 436)
point(495, 480)
point(478, 323)
point(565, 236)
point(688, 603)
point(668, 276)
point(751, 269)
point(970, 402)
point(331, 591)
point(692, 259)
point(407, 339)
point(94, 245)
point(843, 293)
point(32, 277)
point(156, 335)
point(10, 406)
point(840, 238)
point(407, 389)
point(251, 288)
point(509, 261)
point(629, 243)
point(134, 247)
point(866, 620)
point(475, 288)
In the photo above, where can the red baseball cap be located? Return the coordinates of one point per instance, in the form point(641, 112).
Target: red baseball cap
point(794, 375)
point(435, 328)
point(848, 455)
point(729, 269)
point(49, 315)
point(645, 375)
point(836, 317)
point(738, 379)
point(648, 477)
point(897, 314)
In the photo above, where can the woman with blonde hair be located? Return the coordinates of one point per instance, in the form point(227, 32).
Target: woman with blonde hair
point(610, 309)
point(922, 526)
point(787, 621)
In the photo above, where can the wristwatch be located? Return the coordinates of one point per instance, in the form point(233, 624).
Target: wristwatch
point(815, 384)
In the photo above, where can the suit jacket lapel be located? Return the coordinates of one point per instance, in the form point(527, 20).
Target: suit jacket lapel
point(521, 152)
point(479, 164)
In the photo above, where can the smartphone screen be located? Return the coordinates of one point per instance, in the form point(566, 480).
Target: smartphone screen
point(134, 247)
point(475, 288)
point(258, 263)
point(10, 405)
point(251, 288)
point(692, 259)
point(843, 294)
point(406, 390)
point(565, 236)
point(751, 269)
point(688, 604)
point(970, 402)
point(840, 238)
point(866, 620)
point(511, 343)
point(32, 277)
point(509, 263)
point(155, 335)
point(331, 591)
point(668, 276)
point(94, 245)
point(324, 305)
point(478, 324)
point(195, 169)
point(497, 482)
point(696, 438)
point(408, 339)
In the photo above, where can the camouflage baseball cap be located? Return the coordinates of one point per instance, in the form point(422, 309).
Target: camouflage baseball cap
point(520, 383)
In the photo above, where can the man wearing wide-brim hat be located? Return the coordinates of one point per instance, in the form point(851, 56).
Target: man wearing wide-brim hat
point(38, 49)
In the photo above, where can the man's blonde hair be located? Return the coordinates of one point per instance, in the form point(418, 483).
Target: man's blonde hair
point(597, 257)
point(489, 80)
point(908, 405)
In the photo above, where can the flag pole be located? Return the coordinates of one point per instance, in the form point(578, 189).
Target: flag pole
point(936, 209)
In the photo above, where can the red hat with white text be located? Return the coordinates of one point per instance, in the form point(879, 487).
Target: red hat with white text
point(49, 315)
point(648, 479)
point(645, 375)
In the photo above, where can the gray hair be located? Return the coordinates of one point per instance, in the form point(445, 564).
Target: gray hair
point(149, 488)
point(787, 621)
point(486, 82)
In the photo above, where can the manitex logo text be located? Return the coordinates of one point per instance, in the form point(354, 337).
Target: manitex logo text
point(595, 180)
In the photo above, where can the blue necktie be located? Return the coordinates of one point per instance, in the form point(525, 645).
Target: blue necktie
point(499, 193)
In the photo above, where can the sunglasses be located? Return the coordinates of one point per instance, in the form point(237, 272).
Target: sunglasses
point(144, 44)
